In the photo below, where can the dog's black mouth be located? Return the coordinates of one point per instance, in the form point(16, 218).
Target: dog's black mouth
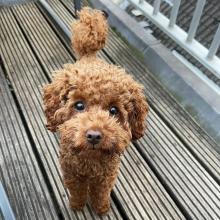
point(111, 149)
point(92, 147)
point(96, 147)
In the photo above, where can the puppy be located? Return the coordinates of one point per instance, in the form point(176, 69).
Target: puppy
point(97, 109)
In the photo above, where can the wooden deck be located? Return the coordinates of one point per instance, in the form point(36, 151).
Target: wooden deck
point(173, 172)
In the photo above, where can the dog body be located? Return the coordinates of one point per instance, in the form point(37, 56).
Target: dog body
point(98, 109)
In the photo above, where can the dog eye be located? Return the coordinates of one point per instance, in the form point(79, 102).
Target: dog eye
point(79, 106)
point(113, 110)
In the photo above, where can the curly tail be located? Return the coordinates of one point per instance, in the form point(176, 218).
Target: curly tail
point(89, 32)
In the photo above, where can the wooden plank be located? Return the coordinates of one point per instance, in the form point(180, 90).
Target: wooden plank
point(19, 170)
point(133, 199)
point(200, 144)
point(27, 78)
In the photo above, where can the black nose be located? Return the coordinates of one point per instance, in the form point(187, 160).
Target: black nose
point(93, 136)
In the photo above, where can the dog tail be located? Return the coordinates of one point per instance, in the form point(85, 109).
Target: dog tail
point(89, 32)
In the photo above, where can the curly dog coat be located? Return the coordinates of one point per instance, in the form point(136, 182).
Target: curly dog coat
point(97, 109)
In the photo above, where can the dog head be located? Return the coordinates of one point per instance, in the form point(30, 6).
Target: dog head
point(95, 107)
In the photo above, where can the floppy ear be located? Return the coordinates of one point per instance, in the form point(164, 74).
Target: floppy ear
point(138, 114)
point(54, 97)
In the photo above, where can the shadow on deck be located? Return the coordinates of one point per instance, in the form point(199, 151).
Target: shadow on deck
point(173, 172)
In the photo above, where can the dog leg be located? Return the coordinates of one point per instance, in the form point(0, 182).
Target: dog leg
point(99, 193)
point(78, 188)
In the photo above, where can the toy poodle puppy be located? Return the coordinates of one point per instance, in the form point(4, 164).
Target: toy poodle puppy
point(97, 109)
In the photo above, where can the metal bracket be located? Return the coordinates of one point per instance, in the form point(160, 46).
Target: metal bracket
point(5, 207)
point(77, 6)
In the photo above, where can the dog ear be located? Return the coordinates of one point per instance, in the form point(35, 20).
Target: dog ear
point(138, 114)
point(54, 97)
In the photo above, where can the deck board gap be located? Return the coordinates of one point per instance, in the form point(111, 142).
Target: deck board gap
point(119, 206)
point(30, 45)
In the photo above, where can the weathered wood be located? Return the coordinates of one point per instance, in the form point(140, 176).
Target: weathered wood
point(19, 170)
point(186, 178)
point(132, 198)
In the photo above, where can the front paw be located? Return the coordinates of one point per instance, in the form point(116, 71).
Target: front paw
point(76, 205)
point(102, 209)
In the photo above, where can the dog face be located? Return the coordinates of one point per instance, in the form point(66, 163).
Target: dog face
point(95, 109)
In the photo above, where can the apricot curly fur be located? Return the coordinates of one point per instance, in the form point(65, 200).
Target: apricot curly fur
point(90, 32)
point(90, 170)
